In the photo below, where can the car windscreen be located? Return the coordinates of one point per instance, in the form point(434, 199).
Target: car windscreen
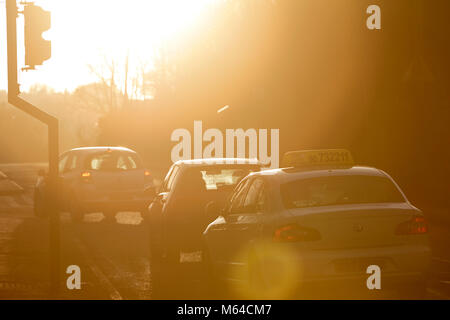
point(338, 190)
point(113, 161)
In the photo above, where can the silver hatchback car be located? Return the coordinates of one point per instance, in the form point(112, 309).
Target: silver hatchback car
point(98, 179)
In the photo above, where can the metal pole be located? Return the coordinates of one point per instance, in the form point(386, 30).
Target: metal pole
point(11, 16)
point(53, 161)
point(53, 143)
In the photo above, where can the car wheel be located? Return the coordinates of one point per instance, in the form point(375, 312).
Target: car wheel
point(75, 210)
point(39, 208)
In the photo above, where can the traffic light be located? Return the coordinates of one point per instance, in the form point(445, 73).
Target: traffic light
point(37, 49)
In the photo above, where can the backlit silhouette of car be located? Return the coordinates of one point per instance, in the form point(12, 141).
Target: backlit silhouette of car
point(177, 214)
point(319, 220)
point(98, 179)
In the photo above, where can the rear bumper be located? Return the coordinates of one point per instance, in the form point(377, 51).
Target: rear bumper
point(406, 264)
point(392, 286)
point(388, 280)
point(93, 200)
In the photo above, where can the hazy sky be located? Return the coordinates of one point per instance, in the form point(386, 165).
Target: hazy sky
point(86, 31)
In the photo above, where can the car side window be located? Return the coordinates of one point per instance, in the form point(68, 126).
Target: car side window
point(132, 162)
point(262, 200)
point(168, 183)
point(72, 163)
point(121, 163)
point(62, 163)
point(172, 178)
point(255, 199)
point(166, 179)
point(236, 190)
point(237, 200)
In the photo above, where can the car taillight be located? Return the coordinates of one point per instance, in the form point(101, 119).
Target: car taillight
point(86, 176)
point(417, 225)
point(295, 233)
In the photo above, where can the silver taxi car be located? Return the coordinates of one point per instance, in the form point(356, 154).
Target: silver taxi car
point(98, 179)
point(320, 220)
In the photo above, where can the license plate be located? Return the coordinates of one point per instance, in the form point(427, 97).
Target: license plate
point(186, 257)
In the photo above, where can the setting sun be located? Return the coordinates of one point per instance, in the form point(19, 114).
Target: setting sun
point(88, 32)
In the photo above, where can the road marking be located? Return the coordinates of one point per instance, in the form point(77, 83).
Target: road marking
point(104, 281)
point(186, 257)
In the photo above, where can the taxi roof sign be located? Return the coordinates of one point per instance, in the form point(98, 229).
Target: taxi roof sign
point(313, 158)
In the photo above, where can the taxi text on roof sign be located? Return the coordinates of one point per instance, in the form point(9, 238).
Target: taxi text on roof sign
point(307, 158)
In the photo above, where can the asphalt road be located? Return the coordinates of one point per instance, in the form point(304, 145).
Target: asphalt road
point(114, 255)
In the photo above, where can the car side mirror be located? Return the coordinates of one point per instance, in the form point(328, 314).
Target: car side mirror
point(213, 210)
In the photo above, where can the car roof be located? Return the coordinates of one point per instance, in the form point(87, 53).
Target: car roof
point(290, 174)
point(218, 162)
point(88, 150)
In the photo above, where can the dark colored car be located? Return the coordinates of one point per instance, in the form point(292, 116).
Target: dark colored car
point(177, 214)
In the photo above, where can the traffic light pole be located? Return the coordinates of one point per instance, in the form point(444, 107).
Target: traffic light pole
point(53, 142)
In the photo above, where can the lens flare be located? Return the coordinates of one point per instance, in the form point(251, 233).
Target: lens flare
point(269, 271)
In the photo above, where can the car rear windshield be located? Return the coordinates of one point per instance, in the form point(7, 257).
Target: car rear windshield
point(114, 161)
point(337, 190)
point(216, 178)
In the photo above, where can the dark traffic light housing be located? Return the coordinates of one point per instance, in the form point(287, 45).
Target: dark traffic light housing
point(37, 49)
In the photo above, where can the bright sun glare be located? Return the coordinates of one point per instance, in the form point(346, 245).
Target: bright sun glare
point(88, 31)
